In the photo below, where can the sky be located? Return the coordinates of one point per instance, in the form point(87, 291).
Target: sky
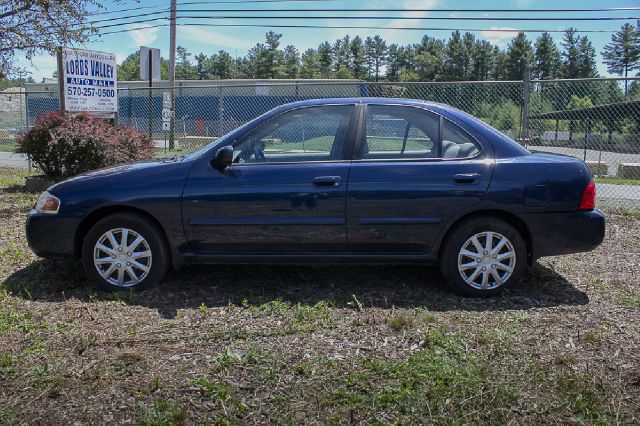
point(237, 41)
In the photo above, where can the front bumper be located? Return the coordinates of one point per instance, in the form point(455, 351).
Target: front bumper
point(555, 234)
point(51, 235)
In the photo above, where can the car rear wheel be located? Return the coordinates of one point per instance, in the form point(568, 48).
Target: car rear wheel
point(124, 251)
point(483, 256)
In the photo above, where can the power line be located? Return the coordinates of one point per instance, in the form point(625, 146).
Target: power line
point(396, 28)
point(251, 1)
point(218, 17)
point(610, 9)
point(124, 17)
point(348, 27)
point(419, 18)
point(110, 12)
point(141, 21)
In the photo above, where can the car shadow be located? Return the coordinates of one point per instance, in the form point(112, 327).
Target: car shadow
point(344, 286)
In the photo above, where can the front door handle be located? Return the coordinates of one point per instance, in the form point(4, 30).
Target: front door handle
point(466, 178)
point(327, 181)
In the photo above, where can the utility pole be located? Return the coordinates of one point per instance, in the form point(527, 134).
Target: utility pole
point(172, 74)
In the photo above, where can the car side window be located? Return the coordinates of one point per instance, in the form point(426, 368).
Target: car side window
point(394, 131)
point(456, 143)
point(306, 134)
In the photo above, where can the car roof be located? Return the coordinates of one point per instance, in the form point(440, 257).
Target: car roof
point(367, 100)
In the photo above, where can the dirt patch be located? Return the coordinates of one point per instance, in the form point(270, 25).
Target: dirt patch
point(258, 344)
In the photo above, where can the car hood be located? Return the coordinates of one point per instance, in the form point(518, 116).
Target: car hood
point(131, 171)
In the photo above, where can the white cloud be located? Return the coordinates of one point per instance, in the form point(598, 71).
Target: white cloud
point(143, 37)
point(400, 36)
point(499, 35)
point(212, 38)
point(40, 66)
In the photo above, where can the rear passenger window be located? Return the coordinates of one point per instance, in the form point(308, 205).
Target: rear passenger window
point(456, 143)
point(400, 132)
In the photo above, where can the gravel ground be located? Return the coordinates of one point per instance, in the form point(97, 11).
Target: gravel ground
point(259, 344)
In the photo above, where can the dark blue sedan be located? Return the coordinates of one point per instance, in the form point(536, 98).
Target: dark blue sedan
point(329, 181)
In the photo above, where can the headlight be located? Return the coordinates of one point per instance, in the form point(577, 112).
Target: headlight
point(48, 203)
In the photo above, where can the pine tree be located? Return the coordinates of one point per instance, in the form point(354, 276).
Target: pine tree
point(325, 57)
point(358, 58)
point(393, 62)
point(310, 64)
point(547, 58)
point(201, 71)
point(482, 60)
point(587, 66)
point(129, 69)
point(376, 53)
point(184, 68)
point(222, 65)
point(291, 62)
point(429, 59)
point(468, 44)
point(570, 54)
point(454, 62)
point(623, 53)
point(342, 53)
point(519, 57)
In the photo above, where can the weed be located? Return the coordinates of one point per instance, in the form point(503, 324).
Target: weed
point(204, 310)
point(400, 321)
point(164, 413)
point(216, 391)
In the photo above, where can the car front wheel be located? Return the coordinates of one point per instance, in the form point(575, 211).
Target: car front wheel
point(124, 251)
point(483, 256)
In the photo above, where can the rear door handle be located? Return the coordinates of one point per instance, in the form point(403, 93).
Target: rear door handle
point(327, 181)
point(466, 178)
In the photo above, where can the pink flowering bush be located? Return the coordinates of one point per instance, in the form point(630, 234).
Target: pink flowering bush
point(66, 145)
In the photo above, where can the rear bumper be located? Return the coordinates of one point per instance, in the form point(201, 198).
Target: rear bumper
point(51, 236)
point(564, 233)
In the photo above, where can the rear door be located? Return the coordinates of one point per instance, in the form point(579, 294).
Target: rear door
point(284, 193)
point(412, 171)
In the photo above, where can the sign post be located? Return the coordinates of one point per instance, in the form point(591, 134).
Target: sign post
point(150, 70)
point(88, 81)
point(167, 116)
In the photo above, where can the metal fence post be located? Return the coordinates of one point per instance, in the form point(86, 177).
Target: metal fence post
point(220, 111)
point(524, 125)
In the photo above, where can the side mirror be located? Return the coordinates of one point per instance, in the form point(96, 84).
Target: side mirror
point(223, 158)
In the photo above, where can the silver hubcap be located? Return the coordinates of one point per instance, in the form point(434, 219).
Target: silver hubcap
point(486, 260)
point(122, 257)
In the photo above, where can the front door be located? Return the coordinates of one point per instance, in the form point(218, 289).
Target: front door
point(413, 171)
point(284, 193)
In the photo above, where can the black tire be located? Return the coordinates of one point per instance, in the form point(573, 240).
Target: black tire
point(154, 241)
point(456, 240)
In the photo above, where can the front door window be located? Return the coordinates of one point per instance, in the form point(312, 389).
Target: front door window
point(302, 135)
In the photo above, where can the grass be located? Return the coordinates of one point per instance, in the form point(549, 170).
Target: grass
point(291, 344)
point(617, 181)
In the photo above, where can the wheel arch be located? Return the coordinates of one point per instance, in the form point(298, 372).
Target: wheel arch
point(102, 212)
point(511, 218)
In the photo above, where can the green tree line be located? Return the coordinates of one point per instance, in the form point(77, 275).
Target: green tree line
point(462, 56)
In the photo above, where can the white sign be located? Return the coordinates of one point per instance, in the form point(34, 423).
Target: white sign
point(144, 63)
point(166, 114)
point(166, 100)
point(166, 126)
point(90, 81)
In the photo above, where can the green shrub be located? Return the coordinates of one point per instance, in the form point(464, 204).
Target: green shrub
point(66, 145)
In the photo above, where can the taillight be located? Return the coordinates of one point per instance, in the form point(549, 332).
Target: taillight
point(588, 200)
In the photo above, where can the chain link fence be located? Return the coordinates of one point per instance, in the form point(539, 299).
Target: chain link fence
point(596, 120)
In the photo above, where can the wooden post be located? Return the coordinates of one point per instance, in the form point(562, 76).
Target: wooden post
point(60, 79)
